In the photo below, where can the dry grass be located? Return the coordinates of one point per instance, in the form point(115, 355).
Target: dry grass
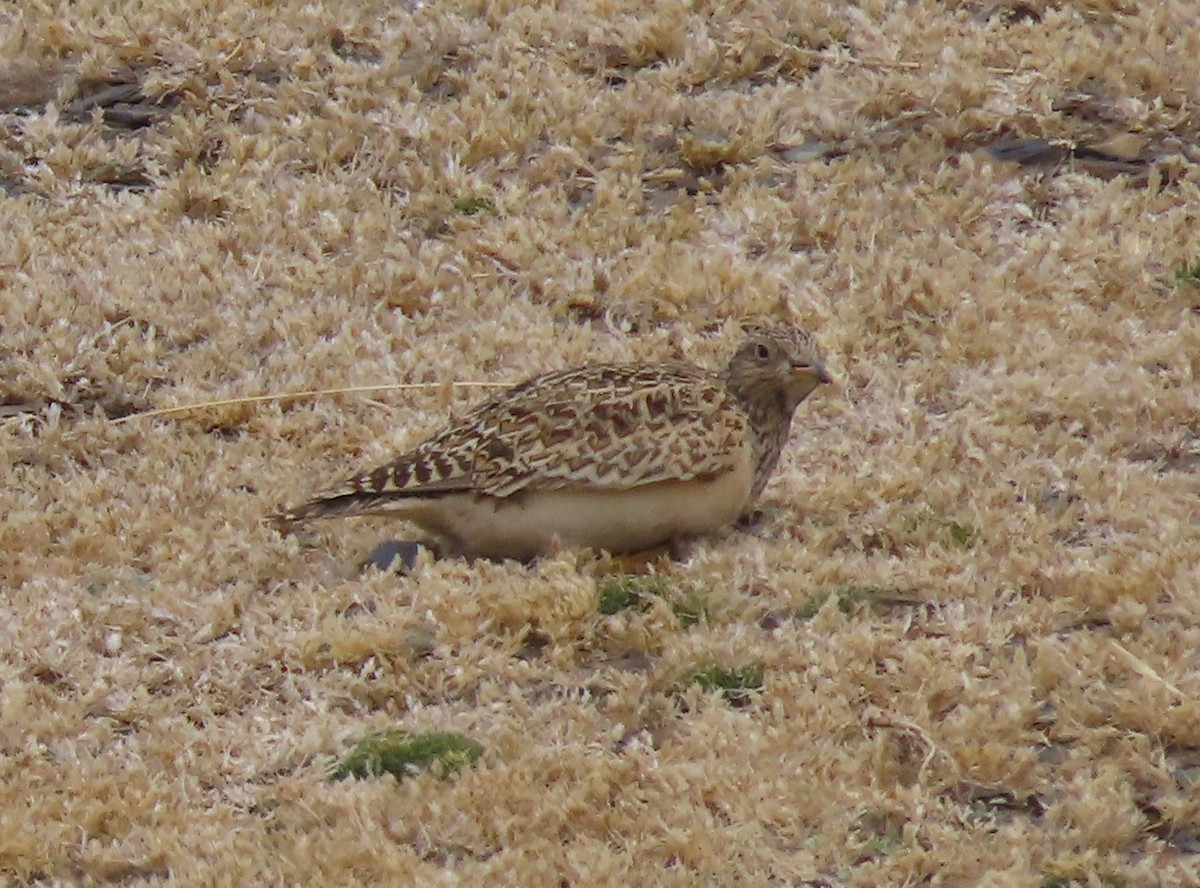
point(998, 502)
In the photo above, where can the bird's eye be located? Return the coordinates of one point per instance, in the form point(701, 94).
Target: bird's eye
point(762, 352)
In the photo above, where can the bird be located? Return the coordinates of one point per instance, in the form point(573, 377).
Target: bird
point(623, 458)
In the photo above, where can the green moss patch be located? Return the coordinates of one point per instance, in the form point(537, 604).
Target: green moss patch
point(402, 753)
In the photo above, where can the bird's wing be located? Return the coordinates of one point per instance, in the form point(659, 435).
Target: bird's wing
point(441, 465)
point(607, 426)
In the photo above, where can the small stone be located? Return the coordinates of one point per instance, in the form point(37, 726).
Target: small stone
point(399, 556)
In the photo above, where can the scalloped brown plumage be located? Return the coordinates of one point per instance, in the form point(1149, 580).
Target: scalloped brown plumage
point(621, 457)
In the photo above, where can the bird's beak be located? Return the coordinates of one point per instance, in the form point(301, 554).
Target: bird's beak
point(816, 370)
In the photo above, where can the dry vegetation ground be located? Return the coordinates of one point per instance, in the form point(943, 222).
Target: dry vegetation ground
point(216, 199)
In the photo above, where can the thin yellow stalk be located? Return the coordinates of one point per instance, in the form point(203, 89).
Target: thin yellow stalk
point(294, 396)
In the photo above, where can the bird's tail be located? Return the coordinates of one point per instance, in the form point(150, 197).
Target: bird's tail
point(338, 506)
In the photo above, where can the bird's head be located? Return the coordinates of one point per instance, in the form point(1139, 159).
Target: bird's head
point(777, 362)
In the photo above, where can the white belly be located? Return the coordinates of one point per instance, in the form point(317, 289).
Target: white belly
point(614, 520)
